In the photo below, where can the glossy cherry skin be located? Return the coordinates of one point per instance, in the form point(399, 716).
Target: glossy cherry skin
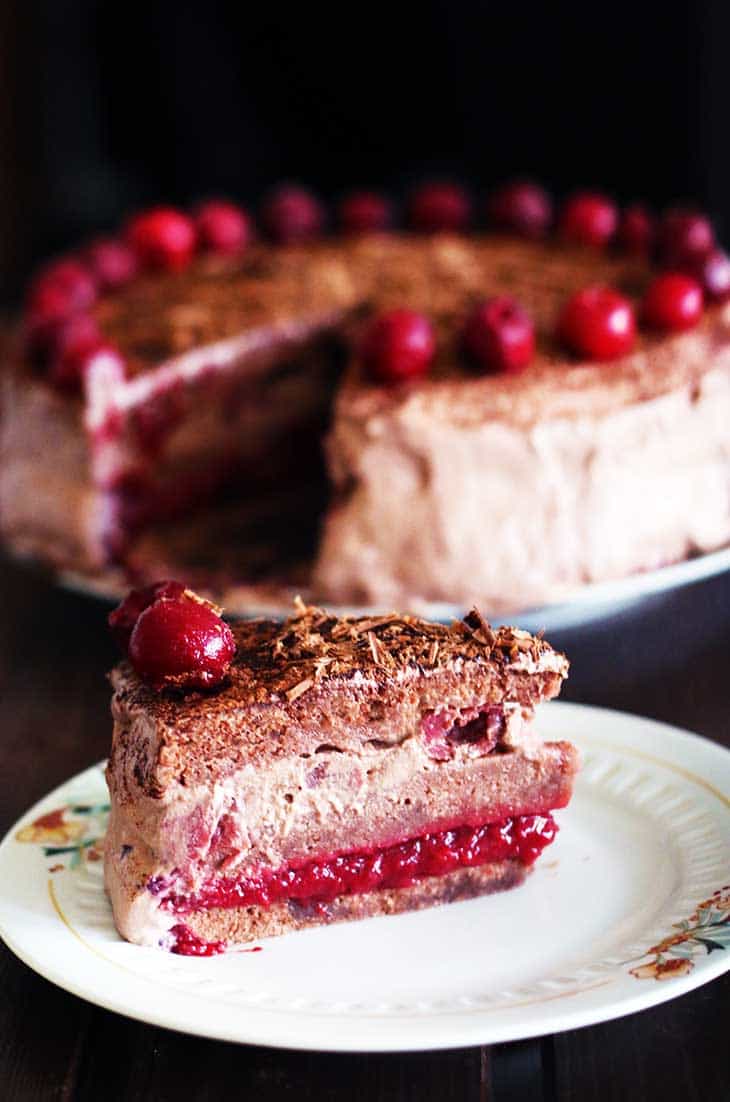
point(398, 345)
point(521, 207)
point(589, 218)
point(499, 336)
point(712, 271)
point(112, 261)
point(59, 292)
point(439, 206)
point(69, 277)
point(77, 340)
point(292, 214)
point(222, 226)
point(636, 231)
point(673, 302)
point(683, 237)
point(181, 643)
point(124, 617)
point(365, 212)
point(47, 340)
point(598, 323)
point(162, 238)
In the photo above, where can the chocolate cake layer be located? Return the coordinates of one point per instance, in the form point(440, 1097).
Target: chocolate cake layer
point(331, 736)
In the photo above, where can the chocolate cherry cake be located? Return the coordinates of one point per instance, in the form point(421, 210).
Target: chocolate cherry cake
point(507, 415)
point(276, 776)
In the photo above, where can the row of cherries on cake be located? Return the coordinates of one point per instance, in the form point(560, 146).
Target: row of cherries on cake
point(597, 324)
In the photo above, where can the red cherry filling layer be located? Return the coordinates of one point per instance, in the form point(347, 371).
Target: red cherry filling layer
point(188, 944)
point(521, 838)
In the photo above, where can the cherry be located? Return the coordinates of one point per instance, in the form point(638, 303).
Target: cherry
point(222, 226)
point(291, 214)
point(61, 289)
point(636, 230)
point(182, 643)
point(589, 218)
point(365, 212)
point(499, 336)
point(82, 357)
point(72, 341)
point(123, 618)
point(112, 262)
point(521, 207)
point(398, 345)
point(684, 236)
point(713, 271)
point(673, 301)
point(71, 277)
point(598, 323)
point(46, 338)
point(162, 238)
point(439, 206)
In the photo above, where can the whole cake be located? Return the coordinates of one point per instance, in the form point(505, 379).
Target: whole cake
point(278, 776)
point(508, 415)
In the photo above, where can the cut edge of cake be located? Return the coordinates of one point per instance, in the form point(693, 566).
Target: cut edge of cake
point(405, 773)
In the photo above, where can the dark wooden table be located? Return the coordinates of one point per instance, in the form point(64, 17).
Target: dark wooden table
point(670, 659)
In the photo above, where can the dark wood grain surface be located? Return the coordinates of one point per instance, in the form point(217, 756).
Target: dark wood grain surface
point(669, 659)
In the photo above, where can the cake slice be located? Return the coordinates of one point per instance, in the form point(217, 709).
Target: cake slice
point(343, 768)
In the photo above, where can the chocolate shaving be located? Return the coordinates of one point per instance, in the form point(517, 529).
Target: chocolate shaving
point(314, 646)
point(299, 689)
point(381, 656)
point(479, 628)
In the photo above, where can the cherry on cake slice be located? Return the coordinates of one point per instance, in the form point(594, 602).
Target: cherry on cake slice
point(273, 776)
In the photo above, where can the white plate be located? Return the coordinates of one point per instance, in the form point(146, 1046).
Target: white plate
point(591, 602)
point(643, 856)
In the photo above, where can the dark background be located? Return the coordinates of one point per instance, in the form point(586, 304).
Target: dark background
point(105, 107)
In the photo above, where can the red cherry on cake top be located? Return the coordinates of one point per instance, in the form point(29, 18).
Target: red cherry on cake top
point(181, 643)
point(62, 288)
point(499, 336)
point(49, 322)
point(598, 323)
point(712, 271)
point(162, 238)
point(72, 340)
point(521, 207)
point(439, 206)
point(636, 230)
point(683, 237)
point(112, 261)
point(81, 357)
point(398, 345)
point(123, 618)
point(365, 212)
point(673, 301)
point(222, 226)
point(291, 214)
point(589, 218)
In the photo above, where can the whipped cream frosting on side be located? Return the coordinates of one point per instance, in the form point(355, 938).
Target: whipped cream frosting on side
point(48, 503)
point(510, 515)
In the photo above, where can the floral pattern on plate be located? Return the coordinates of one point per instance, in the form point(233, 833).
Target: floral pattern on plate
point(706, 930)
point(74, 831)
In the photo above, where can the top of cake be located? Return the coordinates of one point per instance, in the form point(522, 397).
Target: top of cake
point(160, 317)
point(294, 686)
point(184, 290)
point(312, 649)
